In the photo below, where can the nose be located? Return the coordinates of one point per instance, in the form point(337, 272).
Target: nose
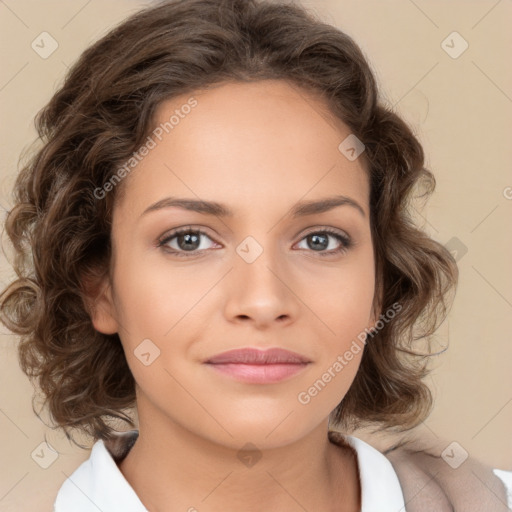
point(261, 293)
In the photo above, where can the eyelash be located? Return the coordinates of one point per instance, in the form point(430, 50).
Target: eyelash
point(346, 242)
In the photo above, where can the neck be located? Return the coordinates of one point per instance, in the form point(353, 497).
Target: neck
point(183, 471)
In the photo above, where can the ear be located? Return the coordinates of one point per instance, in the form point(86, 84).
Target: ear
point(100, 305)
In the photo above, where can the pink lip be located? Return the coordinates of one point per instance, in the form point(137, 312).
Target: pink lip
point(257, 366)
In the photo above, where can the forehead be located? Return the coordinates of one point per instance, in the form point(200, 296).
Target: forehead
point(241, 141)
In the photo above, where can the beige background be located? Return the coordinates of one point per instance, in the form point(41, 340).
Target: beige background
point(461, 110)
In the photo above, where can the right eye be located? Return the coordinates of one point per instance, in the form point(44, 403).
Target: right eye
point(184, 240)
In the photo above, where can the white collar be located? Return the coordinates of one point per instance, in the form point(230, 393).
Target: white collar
point(98, 485)
point(380, 488)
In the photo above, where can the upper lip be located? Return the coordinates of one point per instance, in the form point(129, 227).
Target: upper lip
point(257, 356)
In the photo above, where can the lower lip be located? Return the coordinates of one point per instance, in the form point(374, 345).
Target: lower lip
point(259, 373)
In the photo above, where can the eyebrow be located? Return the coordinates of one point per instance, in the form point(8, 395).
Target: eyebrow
point(300, 209)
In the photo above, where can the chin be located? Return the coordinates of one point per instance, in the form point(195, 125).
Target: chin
point(265, 433)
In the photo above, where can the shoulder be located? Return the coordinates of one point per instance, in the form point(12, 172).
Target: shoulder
point(441, 476)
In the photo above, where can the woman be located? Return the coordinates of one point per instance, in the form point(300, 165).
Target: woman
point(221, 243)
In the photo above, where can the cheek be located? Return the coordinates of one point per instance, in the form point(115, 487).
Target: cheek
point(327, 386)
point(344, 306)
point(344, 301)
point(153, 296)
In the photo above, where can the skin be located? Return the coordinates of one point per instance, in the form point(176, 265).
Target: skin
point(258, 148)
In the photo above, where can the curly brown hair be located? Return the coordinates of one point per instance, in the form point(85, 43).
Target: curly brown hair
point(103, 112)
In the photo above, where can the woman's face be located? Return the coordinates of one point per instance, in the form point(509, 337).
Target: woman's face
point(267, 275)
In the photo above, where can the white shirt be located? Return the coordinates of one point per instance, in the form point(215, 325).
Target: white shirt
point(98, 485)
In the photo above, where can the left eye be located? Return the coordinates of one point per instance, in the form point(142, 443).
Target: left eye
point(319, 242)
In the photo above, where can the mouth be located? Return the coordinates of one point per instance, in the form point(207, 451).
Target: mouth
point(257, 366)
